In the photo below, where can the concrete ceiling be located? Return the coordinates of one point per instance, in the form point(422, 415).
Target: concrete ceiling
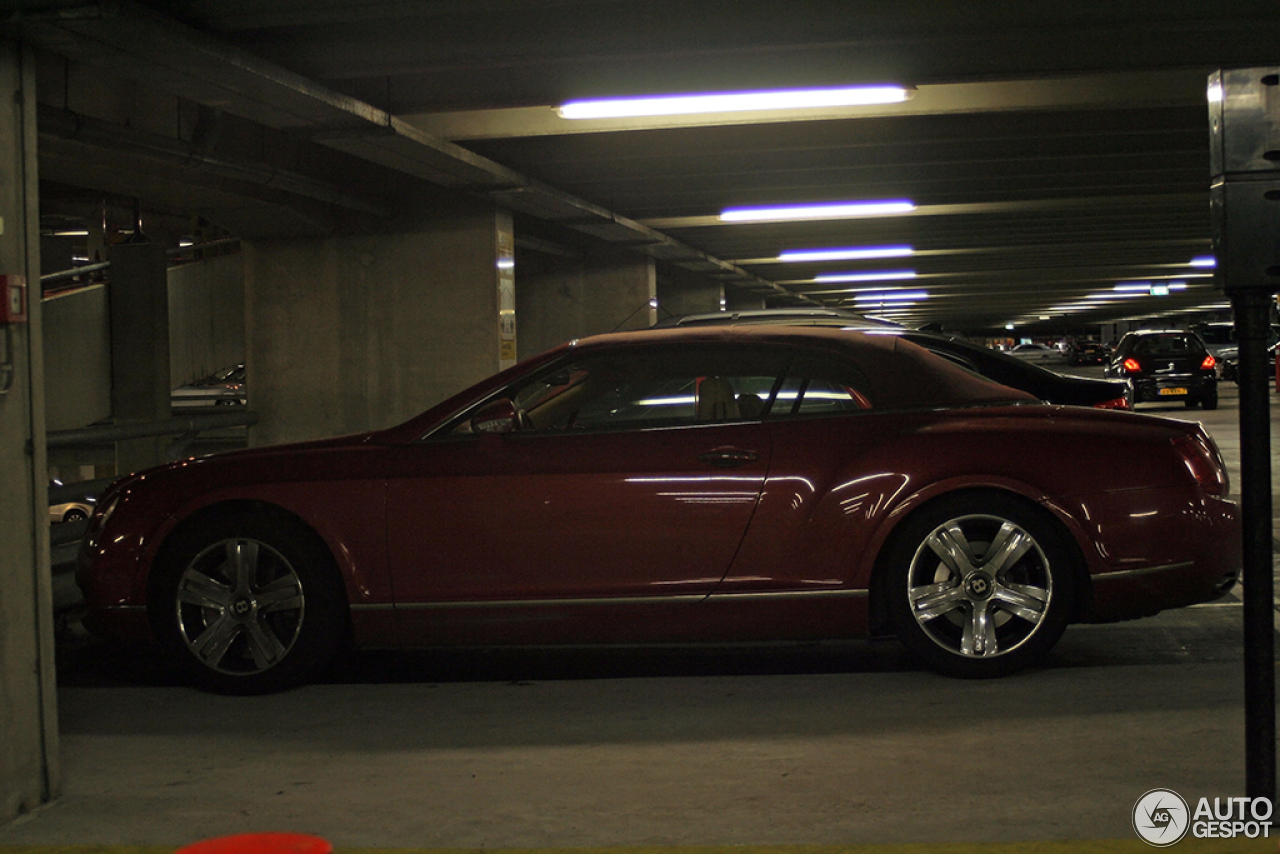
point(1052, 150)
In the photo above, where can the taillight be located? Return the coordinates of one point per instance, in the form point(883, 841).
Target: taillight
point(1114, 403)
point(1131, 366)
point(1208, 363)
point(1204, 462)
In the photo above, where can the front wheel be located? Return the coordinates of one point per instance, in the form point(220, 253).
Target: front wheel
point(248, 604)
point(979, 585)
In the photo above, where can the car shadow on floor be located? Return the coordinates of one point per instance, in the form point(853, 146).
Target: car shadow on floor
point(1209, 633)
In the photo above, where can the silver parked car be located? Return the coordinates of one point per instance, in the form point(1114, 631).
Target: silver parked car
point(224, 388)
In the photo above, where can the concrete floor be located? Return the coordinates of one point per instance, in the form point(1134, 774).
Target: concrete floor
point(828, 745)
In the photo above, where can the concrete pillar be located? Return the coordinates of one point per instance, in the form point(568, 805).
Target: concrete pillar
point(353, 333)
point(138, 295)
point(604, 292)
point(736, 299)
point(28, 706)
point(206, 317)
point(688, 296)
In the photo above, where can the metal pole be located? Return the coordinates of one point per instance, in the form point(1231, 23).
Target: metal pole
point(1252, 315)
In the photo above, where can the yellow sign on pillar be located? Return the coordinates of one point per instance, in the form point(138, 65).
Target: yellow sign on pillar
point(506, 297)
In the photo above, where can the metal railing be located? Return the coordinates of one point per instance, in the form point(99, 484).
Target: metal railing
point(185, 429)
point(48, 278)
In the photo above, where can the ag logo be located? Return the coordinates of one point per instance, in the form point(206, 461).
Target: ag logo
point(1161, 817)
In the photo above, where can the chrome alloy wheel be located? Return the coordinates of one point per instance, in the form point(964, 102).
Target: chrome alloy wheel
point(979, 586)
point(240, 606)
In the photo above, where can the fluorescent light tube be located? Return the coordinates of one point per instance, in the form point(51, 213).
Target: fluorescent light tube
point(870, 276)
point(892, 296)
point(733, 102)
point(830, 210)
point(850, 253)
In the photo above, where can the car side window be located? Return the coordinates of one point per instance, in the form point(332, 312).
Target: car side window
point(626, 391)
point(815, 387)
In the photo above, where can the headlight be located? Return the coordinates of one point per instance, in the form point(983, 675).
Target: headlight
point(99, 520)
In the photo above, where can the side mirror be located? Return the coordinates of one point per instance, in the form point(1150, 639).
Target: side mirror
point(500, 416)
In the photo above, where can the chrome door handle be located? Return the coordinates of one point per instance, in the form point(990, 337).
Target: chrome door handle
point(728, 457)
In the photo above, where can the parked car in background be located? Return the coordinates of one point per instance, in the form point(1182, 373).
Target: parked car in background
point(740, 484)
point(1088, 353)
point(1228, 355)
point(224, 388)
point(1166, 366)
point(1049, 386)
point(1218, 336)
point(1036, 353)
point(77, 508)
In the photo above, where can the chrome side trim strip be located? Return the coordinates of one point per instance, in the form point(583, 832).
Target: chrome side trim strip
point(770, 596)
point(782, 595)
point(1137, 573)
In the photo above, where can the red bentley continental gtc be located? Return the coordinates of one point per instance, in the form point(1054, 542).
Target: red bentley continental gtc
point(674, 486)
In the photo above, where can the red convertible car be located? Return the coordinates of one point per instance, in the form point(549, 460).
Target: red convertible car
point(674, 486)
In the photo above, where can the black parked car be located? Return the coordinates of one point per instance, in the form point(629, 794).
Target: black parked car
point(1049, 386)
point(1088, 353)
point(1166, 366)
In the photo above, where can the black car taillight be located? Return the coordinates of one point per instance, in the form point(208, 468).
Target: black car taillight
point(1131, 366)
point(1204, 462)
point(1208, 363)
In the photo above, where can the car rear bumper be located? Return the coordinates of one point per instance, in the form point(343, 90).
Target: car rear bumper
point(1200, 562)
point(1173, 387)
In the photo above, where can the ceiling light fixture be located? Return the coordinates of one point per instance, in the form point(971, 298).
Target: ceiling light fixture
point(1204, 261)
point(829, 210)
point(869, 276)
point(891, 296)
point(849, 253)
point(733, 102)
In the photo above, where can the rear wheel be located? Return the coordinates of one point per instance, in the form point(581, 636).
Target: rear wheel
point(248, 604)
point(1210, 400)
point(980, 585)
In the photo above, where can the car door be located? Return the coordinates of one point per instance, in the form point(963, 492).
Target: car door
point(631, 480)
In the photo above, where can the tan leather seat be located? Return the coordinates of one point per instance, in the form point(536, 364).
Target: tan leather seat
point(716, 401)
point(750, 405)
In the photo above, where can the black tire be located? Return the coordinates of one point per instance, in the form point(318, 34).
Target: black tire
point(75, 515)
point(1210, 401)
point(964, 616)
point(248, 603)
point(1190, 402)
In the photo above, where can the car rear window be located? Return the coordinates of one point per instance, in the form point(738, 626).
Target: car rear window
point(1168, 345)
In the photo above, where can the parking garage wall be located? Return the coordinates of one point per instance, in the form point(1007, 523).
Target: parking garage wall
point(206, 317)
point(605, 292)
point(353, 333)
point(206, 334)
